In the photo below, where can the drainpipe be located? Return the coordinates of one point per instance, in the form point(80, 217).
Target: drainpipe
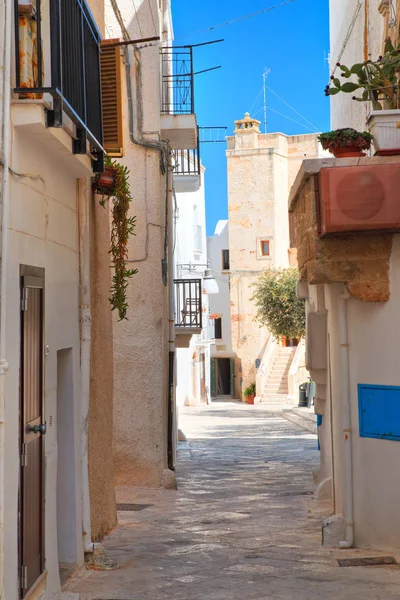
point(84, 197)
point(169, 224)
point(347, 431)
point(5, 184)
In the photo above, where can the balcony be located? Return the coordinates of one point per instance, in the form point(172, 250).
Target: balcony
point(57, 49)
point(188, 310)
point(187, 172)
point(178, 119)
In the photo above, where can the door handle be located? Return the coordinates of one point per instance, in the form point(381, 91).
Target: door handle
point(38, 428)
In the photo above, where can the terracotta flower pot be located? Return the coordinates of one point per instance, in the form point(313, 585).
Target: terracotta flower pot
point(346, 152)
point(106, 181)
point(250, 399)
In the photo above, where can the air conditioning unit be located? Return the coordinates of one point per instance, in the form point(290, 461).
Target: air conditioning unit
point(359, 199)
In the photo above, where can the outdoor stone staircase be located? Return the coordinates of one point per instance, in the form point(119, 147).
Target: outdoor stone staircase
point(302, 417)
point(276, 387)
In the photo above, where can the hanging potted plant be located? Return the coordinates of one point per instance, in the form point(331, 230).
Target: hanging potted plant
point(379, 83)
point(344, 143)
point(249, 393)
point(122, 228)
point(105, 183)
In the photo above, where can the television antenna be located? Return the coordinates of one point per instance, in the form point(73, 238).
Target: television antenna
point(265, 75)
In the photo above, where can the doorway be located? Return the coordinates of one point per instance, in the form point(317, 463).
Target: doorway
point(31, 493)
point(66, 492)
point(222, 376)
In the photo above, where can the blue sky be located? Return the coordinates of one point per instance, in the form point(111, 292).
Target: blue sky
point(291, 40)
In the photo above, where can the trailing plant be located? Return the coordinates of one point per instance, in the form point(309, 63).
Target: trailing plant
point(348, 137)
point(250, 391)
point(278, 306)
point(379, 80)
point(122, 228)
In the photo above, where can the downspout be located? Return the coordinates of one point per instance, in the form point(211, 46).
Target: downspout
point(84, 196)
point(347, 431)
point(5, 199)
point(169, 254)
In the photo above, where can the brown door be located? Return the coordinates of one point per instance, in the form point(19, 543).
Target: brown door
point(32, 430)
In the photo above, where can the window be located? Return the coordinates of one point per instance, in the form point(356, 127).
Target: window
point(111, 96)
point(264, 247)
point(225, 260)
point(218, 329)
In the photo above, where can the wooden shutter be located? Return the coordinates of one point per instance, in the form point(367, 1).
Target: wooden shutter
point(111, 95)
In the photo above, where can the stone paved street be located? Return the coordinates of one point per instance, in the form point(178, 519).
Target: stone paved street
point(241, 526)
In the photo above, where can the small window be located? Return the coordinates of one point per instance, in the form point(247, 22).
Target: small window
point(225, 260)
point(264, 247)
point(218, 329)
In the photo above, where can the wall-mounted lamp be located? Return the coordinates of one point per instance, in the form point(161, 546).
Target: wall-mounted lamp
point(210, 286)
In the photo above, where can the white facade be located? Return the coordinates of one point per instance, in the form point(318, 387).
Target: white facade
point(190, 262)
point(220, 308)
point(357, 30)
point(47, 190)
point(360, 337)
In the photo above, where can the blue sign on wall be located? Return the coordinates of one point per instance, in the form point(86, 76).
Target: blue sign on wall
point(379, 411)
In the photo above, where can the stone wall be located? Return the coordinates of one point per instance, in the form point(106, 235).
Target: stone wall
point(101, 471)
point(361, 261)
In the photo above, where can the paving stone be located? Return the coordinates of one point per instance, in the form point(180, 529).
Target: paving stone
point(242, 524)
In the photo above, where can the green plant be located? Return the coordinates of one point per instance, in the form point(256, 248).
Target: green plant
point(379, 80)
point(278, 306)
point(122, 227)
point(340, 138)
point(250, 390)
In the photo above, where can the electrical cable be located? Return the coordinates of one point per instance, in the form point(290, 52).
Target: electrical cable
point(348, 35)
point(137, 18)
point(152, 17)
point(293, 109)
point(232, 21)
point(290, 119)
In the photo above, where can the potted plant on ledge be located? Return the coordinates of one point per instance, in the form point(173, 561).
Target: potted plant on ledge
point(379, 82)
point(249, 393)
point(344, 143)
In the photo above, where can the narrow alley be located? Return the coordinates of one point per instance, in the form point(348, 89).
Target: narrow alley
point(241, 525)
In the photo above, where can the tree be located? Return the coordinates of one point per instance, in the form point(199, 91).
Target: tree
point(278, 307)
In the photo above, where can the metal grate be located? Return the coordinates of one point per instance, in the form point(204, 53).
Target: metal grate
point(75, 66)
point(370, 561)
point(188, 305)
point(177, 94)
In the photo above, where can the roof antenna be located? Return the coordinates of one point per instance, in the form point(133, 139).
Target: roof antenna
point(265, 75)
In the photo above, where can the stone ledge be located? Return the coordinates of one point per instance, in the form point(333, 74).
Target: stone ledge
point(361, 261)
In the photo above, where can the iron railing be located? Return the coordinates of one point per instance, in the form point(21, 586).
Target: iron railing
point(177, 94)
point(74, 44)
point(188, 306)
point(187, 162)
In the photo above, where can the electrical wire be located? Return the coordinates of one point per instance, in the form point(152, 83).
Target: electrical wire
point(256, 100)
point(152, 17)
point(293, 109)
point(232, 21)
point(137, 18)
point(293, 120)
point(348, 35)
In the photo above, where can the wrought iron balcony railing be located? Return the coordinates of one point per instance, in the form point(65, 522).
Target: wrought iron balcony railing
point(70, 49)
point(177, 94)
point(187, 162)
point(188, 306)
